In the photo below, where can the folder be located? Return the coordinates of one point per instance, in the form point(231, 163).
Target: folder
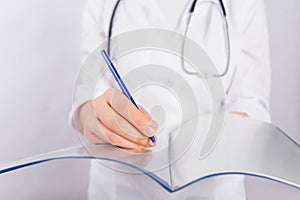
point(244, 146)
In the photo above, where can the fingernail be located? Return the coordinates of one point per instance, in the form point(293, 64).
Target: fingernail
point(151, 144)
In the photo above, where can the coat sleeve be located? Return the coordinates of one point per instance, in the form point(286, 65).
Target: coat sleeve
point(93, 35)
point(93, 28)
point(251, 87)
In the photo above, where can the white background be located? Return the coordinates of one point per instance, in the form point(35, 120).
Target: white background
point(39, 59)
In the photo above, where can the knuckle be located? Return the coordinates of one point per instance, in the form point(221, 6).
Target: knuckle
point(112, 139)
point(109, 92)
point(100, 99)
point(99, 105)
point(142, 121)
point(111, 97)
point(142, 142)
point(141, 107)
point(99, 131)
point(143, 110)
point(98, 110)
point(113, 124)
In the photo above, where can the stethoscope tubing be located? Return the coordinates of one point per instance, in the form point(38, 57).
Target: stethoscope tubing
point(191, 11)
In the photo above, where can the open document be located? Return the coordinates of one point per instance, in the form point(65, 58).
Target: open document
point(245, 146)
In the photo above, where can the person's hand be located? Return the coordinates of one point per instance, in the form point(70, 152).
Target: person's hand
point(243, 114)
point(112, 118)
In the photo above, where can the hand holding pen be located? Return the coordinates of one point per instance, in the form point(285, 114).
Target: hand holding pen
point(120, 82)
point(113, 118)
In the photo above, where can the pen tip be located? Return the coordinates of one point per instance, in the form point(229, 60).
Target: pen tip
point(152, 139)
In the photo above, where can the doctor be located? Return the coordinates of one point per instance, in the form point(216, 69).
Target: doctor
point(247, 82)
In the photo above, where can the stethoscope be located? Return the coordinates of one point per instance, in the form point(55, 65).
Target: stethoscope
point(222, 10)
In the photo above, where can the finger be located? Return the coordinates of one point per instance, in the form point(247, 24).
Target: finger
point(92, 137)
point(92, 126)
point(120, 141)
point(126, 109)
point(109, 119)
point(143, 110)
point(118, 124)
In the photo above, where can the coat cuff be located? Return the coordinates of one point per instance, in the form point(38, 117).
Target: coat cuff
point(253, 108)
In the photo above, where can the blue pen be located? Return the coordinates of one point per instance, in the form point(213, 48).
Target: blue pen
point(120, 81)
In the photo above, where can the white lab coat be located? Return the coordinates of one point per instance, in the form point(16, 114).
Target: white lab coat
point(249, 90)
